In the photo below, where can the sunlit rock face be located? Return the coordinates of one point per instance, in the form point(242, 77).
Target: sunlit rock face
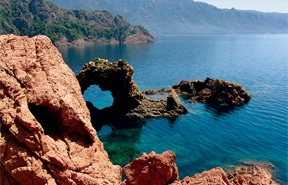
point(161, 169)
point(130, 105)
point(46, 136)
point(154, 169)
point(240, 175)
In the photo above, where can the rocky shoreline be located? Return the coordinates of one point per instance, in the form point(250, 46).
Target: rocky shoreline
point(46, 135)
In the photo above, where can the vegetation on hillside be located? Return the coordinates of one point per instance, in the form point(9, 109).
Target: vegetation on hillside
point(186, 16)
point(32, 17)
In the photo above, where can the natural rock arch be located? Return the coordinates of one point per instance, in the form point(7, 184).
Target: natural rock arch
point(116, 77)
point(130, 105)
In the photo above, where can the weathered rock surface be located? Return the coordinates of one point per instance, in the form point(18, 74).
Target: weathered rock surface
point(252, 175)
point(46, 136)
point(215, 176)
point(213, 91)
point(152, 169)
point(161, 169)
point(129, 105)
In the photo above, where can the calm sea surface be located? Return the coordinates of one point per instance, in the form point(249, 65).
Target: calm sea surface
point(204, 138)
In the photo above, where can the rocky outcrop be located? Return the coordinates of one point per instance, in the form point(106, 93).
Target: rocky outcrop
point(46, 136)
point(253, 175)
point(161, 169)
point(129, 105)
point(213, 91)
point(250, 175)
point(215, 176)
point(153, 169)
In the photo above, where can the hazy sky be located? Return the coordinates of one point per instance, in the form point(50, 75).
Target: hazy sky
point(260, 5)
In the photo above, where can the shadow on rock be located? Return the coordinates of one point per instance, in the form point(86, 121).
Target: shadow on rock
point(130, 107)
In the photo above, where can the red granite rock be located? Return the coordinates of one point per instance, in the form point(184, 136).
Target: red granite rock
point(252, 175)
point(152, 169)
point(46, 136)
point(215, 176)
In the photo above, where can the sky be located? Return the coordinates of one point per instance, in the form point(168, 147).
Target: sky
point(259, 5)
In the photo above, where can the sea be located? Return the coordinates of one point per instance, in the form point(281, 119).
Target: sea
point(205, 137)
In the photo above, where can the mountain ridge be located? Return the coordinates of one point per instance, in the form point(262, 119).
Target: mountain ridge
point(186, 16)
point(33, 17)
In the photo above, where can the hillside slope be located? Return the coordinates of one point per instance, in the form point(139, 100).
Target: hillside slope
point(186, 16)
point(32, 17)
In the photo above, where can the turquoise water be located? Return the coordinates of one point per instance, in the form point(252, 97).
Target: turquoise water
point(204, 138)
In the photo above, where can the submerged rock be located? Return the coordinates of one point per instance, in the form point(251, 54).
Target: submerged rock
point(46, 136)
point(129, 105)
point(213, 91)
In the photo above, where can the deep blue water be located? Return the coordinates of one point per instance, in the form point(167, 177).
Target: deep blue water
point(204, 138)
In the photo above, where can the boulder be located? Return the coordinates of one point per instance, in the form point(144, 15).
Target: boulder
point(213, 91)
point(152, 169)
point(130, 105)
point(46, 136)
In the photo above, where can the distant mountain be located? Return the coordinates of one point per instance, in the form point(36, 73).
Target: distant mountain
point(32, 17)
point(185, 16)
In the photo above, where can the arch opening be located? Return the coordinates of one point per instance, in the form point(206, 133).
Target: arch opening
point(99, 98)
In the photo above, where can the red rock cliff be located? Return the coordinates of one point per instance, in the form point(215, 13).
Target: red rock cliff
point(60, 146)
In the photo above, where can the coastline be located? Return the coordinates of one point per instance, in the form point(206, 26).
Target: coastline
point(137, 38)
point(69, 152)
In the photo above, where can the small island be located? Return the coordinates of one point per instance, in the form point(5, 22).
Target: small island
point(213, 91)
